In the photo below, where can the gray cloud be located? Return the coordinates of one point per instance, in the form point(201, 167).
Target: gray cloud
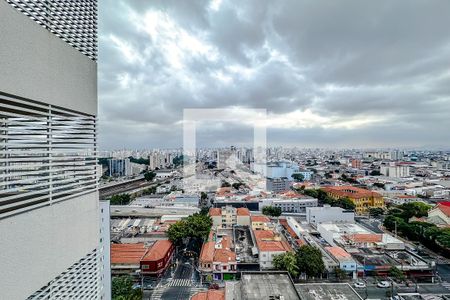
point(381, 64)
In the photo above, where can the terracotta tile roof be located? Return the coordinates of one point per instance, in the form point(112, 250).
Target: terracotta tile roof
point(210, 295)
point(242, 211)
point(207, 252)
point(286, 226)
point(266, 242)
point(262, 219)
point(365, 237)
point(444, 207)
point(338, 252)
point(215, 211)
point(127, 253)
point(226, 242)
point(351, 192)
point(158, 250)
point(224, 256)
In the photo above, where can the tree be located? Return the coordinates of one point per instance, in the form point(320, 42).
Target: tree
point(203, 196)
point(121, 199)
point(298, 177)
point(340, 274)
point(149, 176)
point(375, 173)
point(287, 262)
point(346, 203)
point(376, 211)
point(195, 226)
point(396, 273)
point(309, 260)
point(272, 211)
point(225, 184)
point(237, 185)
point(122, 289)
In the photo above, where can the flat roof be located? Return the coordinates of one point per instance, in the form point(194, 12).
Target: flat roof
point(263, 285)
point(327, 291)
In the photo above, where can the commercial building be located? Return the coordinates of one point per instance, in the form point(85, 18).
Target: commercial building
point(362, 198)
point(395, 171)
point(49, 208)
point(119, 167)
point(297, 204)
point(327, 213)
point(278, 185)
point(149, 260)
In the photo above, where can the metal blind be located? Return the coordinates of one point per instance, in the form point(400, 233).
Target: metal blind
point(47, 154)
point(74, 21)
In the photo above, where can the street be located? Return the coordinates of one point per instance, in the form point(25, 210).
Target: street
point(374, 292)
point(182, 285)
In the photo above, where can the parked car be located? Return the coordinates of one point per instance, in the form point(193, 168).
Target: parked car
point(359, 285)
point(383, 284)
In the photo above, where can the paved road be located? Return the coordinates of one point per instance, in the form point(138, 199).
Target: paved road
point(374, 292)
point(181, 286)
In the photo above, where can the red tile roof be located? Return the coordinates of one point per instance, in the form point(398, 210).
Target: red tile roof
point(242, 211)
point(207, 252)
point(158, 250)
point(215, 211)
point(350, 191)
point(265, 240)
point(365, 237)
point(338, 252)
point(210, 295)
point(261, 219)
point(224, 256)
point(444, 207)
point(286, 226)
point(127, 253)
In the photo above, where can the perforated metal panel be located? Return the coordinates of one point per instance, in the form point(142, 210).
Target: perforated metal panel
point(74, 21)
point(47, 154)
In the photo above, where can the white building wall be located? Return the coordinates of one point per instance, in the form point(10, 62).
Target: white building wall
point(105, 251)
point(316, 215)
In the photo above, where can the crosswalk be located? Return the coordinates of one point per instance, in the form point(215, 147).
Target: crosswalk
point(156, 295)
point(180, 282)
point(446, 285)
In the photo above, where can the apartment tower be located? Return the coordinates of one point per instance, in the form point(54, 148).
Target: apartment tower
point(49, 208)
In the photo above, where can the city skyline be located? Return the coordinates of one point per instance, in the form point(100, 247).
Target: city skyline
point(327, 75)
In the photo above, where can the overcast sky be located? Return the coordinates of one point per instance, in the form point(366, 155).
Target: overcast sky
point(330, 73)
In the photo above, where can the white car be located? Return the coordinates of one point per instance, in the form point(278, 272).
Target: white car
point(359, 285)
point(383, 284)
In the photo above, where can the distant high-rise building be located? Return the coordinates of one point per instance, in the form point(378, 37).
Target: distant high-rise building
point(49, 208)
point(119, 167)
point(356, 163)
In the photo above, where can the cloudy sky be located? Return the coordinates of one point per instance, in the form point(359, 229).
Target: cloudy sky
point(329, 73)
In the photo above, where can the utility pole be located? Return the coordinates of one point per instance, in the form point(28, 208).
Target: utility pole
point(395, 228)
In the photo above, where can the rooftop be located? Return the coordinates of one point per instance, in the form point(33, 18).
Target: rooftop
point(261, 219)
point(127, 253)
point(327, 291)
point(262, 285)
point(209, 295)
point(351, 191)
point(158, 250)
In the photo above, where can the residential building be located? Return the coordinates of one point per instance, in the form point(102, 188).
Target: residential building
point(395, 171)
point(210, 295)
point(228, 216)
point(362, 198)
point(260, 223)
point(217, 259)
point(307, 174)
point(278, 185)
point(440, 214)
point(356, 164)
point(269, 245)
point(327, 213)
point(48, 140)
point(119, 167)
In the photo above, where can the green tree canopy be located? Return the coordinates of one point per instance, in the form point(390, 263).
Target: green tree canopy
point(298, 177)
point(121, 199)
point(122, 289)
point(287, 262)
point(272, 211)
point(310, 261)
point(149, 175)
point(196, 225)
